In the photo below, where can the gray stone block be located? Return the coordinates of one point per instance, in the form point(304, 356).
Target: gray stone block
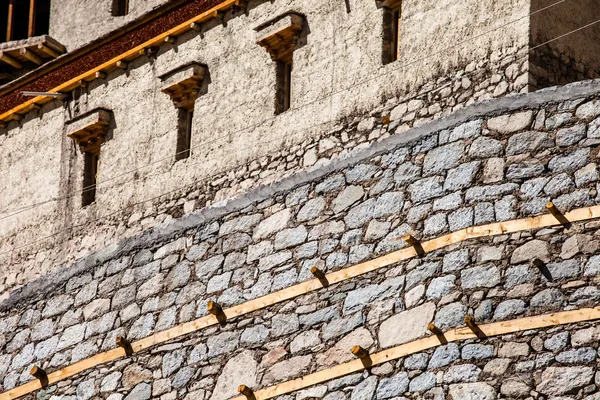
point(461, 177)
point(481, 276)
point(528, 142)
point(570, 162)
point(485, 147)
point(444, 355)
point(393, 386)
point(451, 316)
point(423, 382)
point(509, 309)
point(443, 158)
point(426, 189)
point(477, 351)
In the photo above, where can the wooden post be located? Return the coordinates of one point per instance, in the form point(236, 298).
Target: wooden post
point(40, 374)
point(560, 217)
point(219, 15)
point(317, 273)
point(438, 333)
point(320, 275)
point(246, 391)
point(216, 310)
point(31, 31)
point(363, 355)
point(125, 345)
point(360, 352)
point(10, 23)
point(240, 4)
point(435, 330)
point(415, 244)
point(473, 327)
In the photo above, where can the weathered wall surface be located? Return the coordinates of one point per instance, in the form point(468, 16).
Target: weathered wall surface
point(337, 80)
point(574, 57)
point(493, 162)
point(75, 23)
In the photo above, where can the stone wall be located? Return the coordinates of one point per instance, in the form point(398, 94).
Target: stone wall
point(127, 201)
point(495, 161)
point(238, 143)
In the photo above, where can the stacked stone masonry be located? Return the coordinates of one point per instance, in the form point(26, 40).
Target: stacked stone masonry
point(496, 167)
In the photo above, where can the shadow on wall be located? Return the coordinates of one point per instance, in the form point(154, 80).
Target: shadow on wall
point(573, 58)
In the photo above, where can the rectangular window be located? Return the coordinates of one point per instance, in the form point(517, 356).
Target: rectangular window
point(391, 36)
point(90, 174)
point(184, 133)
point(120, 8)
point(283, 100)
point(22, 19)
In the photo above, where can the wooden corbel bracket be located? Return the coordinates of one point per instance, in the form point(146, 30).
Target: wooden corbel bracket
point(89, 130)
point(183, 84)
point(280, 35)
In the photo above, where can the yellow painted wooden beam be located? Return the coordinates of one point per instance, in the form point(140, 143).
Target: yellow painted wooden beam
point(128, 55)
point(498, 228)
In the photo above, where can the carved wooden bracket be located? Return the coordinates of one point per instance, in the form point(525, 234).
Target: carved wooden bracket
point(90, 129)
point(184, 83)
point(279, 35)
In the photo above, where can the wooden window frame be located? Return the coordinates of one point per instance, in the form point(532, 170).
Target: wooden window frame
point(184, 132)
point(89, 131)
point(279, 37)
point(392, 19)
point(283, 100)
point(91, 165)
point(11, 22)
point(183, 85)
point(120, 8)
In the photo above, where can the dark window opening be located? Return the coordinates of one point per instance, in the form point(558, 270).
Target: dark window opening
point(184, 133)
point(283, 100)
point(20, 25)
point(22, 19)
point(42, 18)
point(391, 36)
point(3, 21)
point(90, 174)
point(120, 8)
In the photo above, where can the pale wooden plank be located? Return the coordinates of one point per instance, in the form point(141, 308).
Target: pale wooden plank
point(417, 346)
